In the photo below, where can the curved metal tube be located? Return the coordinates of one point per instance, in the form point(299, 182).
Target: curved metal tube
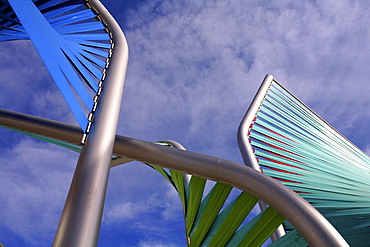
point(177, 145)
point(246, 148)
point(306, 219)
point(81, 218)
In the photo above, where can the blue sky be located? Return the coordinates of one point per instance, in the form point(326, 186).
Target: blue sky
point(194, 68)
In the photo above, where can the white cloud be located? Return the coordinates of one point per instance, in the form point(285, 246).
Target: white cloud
point(35, 181)
point(197, 65)
point(167, 204)
point(126, 211)
point(367, 150)
point(155, 244)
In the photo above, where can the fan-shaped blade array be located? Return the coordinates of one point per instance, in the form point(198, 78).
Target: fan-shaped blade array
point(73, 42)
point(294, 145)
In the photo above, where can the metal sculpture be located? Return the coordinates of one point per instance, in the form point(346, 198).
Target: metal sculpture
point(86, 53)
point(315, 229)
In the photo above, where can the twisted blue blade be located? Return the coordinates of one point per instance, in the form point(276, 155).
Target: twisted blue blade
point(294, 145)
point(71, 40)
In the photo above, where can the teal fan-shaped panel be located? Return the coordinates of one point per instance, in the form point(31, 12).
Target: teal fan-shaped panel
point(296, 146)
point(72, 40)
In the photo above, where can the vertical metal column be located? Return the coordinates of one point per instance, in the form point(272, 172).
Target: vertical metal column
point(81, 218)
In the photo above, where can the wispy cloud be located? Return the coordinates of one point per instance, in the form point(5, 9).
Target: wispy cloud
point(367, 150)
point(166, 204)
point(34, 184)
point(206, 62)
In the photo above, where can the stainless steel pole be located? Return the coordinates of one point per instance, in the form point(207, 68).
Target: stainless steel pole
point(81, 218)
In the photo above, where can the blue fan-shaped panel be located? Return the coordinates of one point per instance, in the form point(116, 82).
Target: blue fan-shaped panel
point(72, 40)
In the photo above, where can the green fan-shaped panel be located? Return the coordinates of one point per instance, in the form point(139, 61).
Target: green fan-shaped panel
point(214, 217)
